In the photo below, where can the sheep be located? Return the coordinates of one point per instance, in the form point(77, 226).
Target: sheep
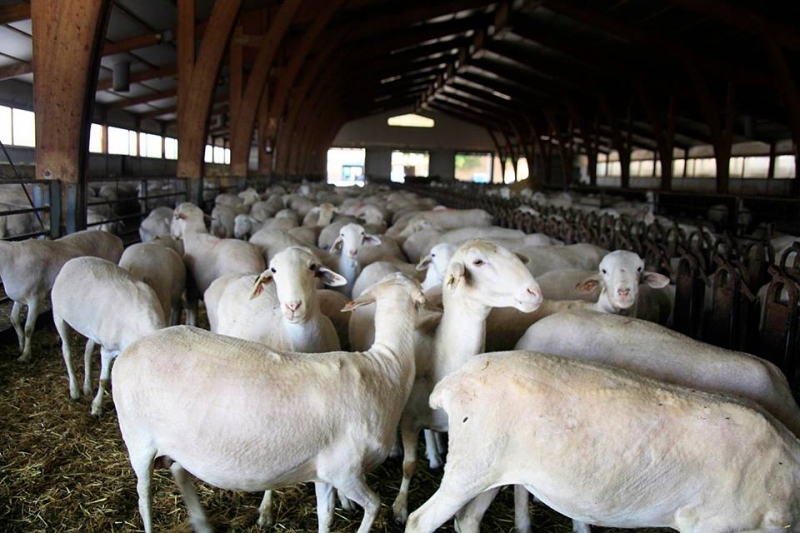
point(209, 257)
point(157, 223)
point(223, 221)
point(447, 219)
point(321, 215)
point(659, 353)
point(29, 269)
point(174, 386)
point(481, 275)
point(163, 269)
point(245, 226)
point(270, 241)
point(278, 307)
point(120, 310)
point(351, 238)
point(543, 259)
point(435, 265)
point(622, 281)
point(610, 447)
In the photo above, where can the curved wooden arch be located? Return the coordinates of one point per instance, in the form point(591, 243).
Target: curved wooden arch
point(197, 79)
point(244, 120)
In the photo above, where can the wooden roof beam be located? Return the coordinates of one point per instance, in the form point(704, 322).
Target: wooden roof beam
point(137, 77)
point(14, 13)
point(130, 102)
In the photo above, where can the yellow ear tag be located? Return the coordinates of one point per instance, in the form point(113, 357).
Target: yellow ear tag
point(451, 279)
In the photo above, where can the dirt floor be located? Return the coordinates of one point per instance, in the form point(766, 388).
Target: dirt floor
point(63, 471)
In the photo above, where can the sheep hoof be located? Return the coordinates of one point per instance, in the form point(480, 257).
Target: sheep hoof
point(400, 515)
point(24, 358)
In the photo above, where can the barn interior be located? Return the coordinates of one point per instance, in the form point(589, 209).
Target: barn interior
point(571, 119)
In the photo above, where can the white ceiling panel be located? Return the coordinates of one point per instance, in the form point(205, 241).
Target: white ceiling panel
point(15, 44)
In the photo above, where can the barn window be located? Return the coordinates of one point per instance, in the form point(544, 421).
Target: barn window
point(411, 121)
point(170, 148)
point(5, 125)
point(409, 164)
point(346, 166)
point(24, 126)
point(474, 167)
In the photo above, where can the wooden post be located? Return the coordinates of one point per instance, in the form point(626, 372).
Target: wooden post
point(664, 134)
point(196, 81)
point(563, 146)
point(771, 169)
point(791, 97)
point(68, 38)
point(242, 123)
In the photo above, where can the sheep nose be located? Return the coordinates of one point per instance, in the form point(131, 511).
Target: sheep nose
point(623, 292)
point(535, 292)
point(293, 306)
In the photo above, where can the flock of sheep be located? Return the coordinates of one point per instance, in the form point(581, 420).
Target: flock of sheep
point(549, 367)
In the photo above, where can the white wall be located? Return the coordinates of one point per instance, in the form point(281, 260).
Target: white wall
point(448, 133)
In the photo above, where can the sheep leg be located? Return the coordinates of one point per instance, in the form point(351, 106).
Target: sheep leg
point(106, 358)
point(468, 519)
point(347, 505)
point(16, 310)
point(175, 313)
point(581, 527)
point(63, 331)
point(265, 510)
point(445, 502)
point(522, 518)
point(432, 450)
point(30, 323)
point(197, 517)
point(324, 506)
point(358, 491)
point(410, 439)
point(87, 366)
point(143, 468)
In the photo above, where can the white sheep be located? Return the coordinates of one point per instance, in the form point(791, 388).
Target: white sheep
point(245, 226)
point(435, 265)
point(481, 275)
point(278, 418)
point(622, 281)
point(352, 238)
point(161, 267)
point(157, 223)
point(321, 215)
point(610, 448)
point(209, 257)
point(29, 269)
point(108, 306)
point(278, 307)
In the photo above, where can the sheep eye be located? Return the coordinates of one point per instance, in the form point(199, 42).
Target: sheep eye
point(273, 270)
point(362, 233)
point(639, 269)
point(478, 262)
point(433, 255)
point(312, 266)
point(604, 271)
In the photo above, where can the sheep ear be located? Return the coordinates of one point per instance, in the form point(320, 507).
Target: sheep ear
point(208, 217)
point(455, 274)
point(371, 240)
point(655, 280)
point(589, 284)
point(315, 210)
point(424, 263)
point(524, 258)
point(337, 210)
point(179, 216)
point(364, 299)
point(258, 287)
point(330, 278)
point(337, 244)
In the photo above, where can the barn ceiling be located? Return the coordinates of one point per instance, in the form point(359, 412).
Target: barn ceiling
point(565, 69)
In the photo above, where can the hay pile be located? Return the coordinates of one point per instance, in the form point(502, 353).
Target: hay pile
point(63, 471)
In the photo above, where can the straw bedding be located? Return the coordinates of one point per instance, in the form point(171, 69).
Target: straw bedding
point(63, 471)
